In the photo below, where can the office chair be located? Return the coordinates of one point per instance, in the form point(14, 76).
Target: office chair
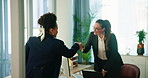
point(91, 74)
point(130, 71)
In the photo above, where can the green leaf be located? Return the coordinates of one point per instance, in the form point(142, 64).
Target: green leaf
point(141, 35)
point(82, 32)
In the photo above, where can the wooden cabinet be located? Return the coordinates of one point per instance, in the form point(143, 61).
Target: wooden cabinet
point(140, 61)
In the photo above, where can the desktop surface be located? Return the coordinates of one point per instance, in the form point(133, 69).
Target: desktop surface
point(80, 67)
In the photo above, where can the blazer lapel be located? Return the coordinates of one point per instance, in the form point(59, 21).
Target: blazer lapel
point(96, 44)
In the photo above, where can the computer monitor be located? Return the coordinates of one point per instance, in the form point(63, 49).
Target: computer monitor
point(65, 67)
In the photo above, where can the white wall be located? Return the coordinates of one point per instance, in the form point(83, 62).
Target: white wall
point(64, 14)
point(17, 38)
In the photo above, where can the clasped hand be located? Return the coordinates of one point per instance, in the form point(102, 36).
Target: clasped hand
point(80, 45)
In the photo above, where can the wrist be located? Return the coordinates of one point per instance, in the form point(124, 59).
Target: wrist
point(104, 70)
point(82, 49)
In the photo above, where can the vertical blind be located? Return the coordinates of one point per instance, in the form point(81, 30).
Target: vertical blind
point(5, 54)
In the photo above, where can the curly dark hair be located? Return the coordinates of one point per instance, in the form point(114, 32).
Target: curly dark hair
point(48, 21)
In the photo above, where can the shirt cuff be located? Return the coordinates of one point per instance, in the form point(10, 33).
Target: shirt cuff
point(82, 49)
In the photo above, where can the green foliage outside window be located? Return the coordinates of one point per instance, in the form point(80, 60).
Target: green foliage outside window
point(82, 33)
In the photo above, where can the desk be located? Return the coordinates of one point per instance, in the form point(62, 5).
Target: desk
point(79, 68)
point(74, 70)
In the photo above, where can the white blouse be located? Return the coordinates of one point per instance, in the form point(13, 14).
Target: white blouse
point(101, 48)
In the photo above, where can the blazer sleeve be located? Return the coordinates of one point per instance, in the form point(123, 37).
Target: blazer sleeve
point(88, 43)
point(113, 48)
point(27, 51)
point(68, 52)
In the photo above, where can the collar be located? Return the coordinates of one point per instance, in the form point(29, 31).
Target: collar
point(101, 38)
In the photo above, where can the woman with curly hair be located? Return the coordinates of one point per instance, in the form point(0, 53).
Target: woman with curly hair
point(44, 53)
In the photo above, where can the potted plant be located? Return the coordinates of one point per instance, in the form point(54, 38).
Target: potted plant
point(83, 33)
point(140, 47)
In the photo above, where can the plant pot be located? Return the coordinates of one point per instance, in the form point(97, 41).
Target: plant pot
point(140, 48)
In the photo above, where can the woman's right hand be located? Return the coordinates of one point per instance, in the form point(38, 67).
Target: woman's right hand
point(104, 72)
point(80, 45)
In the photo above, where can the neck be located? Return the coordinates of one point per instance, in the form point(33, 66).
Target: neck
point(101, 35)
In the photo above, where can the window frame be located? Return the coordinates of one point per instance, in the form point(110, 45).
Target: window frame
point(5, 59)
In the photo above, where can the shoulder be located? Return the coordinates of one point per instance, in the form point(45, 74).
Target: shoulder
point(58, 41)
point(92, 33)
point(33, 38)
point(112, 35)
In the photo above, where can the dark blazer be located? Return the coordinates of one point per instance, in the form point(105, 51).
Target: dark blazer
point(114, 59)
point(43, 59)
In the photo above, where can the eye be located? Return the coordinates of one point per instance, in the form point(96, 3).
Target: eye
point(97, 28)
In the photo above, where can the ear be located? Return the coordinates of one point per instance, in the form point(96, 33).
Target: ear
point(50, 30)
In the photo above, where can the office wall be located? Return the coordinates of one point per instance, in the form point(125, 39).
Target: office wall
point(17, 38)
point(64, 12)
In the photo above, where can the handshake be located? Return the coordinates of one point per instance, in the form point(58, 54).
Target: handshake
point(80, 45)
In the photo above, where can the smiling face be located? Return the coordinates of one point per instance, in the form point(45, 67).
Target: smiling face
point(98, 29)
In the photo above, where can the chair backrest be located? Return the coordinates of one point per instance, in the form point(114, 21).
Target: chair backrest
point(91, 74)
point(130, 71)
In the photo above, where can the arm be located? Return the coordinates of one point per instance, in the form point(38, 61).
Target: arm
point(27, 51)
point(113, 48)
point(68, 52)
point(88, 44)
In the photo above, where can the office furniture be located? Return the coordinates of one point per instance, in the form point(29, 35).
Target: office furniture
point(130, 71)
point(140, 61)
point(75, 70)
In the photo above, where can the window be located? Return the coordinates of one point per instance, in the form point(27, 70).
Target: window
point(34, 9)
point(126, 17)
point(5, 53)
point(37, 8)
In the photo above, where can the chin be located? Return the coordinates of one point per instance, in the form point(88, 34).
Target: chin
point(95, 33)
